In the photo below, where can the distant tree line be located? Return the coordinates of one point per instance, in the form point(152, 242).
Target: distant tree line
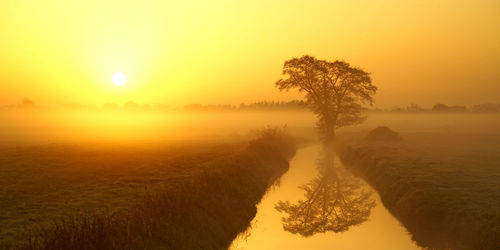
point(295, 104)
point(262, 105)
point(267, 105)
point(25, 104)
point(443, 108)
point(301, 105)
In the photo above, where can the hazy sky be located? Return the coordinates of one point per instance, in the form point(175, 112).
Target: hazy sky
point(228, 52)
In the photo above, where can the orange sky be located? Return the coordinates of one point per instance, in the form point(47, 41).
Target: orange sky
point(228, 52)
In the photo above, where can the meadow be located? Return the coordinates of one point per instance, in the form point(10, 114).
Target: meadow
point(101, 196)
point(443, 187)
point(191, 180)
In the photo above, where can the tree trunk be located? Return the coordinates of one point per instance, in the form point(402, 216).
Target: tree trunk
point(330, 135)
point(331, 138)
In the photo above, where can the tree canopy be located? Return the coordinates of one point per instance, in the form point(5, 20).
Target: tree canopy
point(335, 91)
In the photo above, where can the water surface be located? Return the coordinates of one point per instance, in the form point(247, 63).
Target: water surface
point(376, 230)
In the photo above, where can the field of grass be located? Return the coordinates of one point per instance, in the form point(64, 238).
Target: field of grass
point(444, 188)
point(134, 196)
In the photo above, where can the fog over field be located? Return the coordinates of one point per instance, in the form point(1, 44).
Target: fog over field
point(72, 126)
point(246, 125)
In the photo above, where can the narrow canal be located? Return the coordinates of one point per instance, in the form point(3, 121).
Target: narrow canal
point(322, 209)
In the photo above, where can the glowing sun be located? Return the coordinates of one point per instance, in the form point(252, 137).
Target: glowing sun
point(119, 78)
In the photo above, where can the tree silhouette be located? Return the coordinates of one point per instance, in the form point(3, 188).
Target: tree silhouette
point(131, 105)
point(335, 91)
point(27, 103)
point(335, 201)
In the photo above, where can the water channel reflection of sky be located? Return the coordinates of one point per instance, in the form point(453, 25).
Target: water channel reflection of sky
point(319, 205)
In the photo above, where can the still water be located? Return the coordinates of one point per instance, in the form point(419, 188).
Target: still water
point(357, 220)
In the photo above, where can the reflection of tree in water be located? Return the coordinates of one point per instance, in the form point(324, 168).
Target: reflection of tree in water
point(335, 200)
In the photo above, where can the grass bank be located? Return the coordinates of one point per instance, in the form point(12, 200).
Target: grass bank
point(203, 206)
point(41, 184)
point(445, 189)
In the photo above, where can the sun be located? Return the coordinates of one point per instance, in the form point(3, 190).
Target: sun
point(119, 78)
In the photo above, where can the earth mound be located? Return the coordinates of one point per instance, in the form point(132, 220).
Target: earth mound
point(383, 134)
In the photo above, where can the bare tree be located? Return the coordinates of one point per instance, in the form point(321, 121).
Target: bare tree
point(335, 91)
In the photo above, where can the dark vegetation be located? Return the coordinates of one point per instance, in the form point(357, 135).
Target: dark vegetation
point(293, 105)
point(45, 183)
point(202, 206)
point(444, 108)
point(383, 133)
point(335, 91)
point(255, 106)
point(445, 189)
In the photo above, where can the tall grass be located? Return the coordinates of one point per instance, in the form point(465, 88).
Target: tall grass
point(447, 194)
point(203, 208)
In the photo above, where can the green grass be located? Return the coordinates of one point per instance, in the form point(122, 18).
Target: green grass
point(197, 197)
point(444, 188)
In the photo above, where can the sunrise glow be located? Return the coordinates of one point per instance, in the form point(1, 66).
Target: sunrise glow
point(222, 124)
point(119, 78)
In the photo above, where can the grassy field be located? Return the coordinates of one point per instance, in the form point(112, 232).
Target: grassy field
point(444, 188)
point(197, 196)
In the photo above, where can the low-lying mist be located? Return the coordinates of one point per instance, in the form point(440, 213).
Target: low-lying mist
point(59, 125)
point(41, 125)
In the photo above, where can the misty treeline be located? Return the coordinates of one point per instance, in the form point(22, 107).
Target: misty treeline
point(266, 105)
point(131, 105)
point(261, 105)
point(444, 108)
